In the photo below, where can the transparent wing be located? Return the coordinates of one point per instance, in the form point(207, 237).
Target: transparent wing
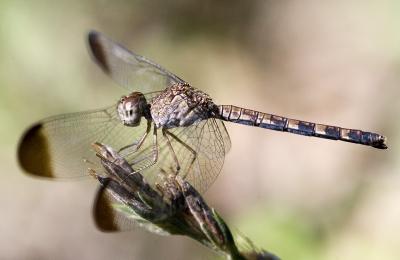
point(208, 138)
point(60, 146)
point(210, 141)
point(132, 71)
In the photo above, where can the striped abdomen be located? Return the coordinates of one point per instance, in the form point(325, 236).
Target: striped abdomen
point(254, 118)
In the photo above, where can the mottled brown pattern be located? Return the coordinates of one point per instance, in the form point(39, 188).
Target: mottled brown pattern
point(224, 111)
point(180, 105)
point(279, 122)
point(250, 117)
point(235, 113)
point(300, 127)
point(260, 118)
point(328, 132)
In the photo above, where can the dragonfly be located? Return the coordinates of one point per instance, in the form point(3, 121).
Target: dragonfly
point(163, 123)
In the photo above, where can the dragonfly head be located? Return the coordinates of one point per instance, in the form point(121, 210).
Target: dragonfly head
point(131, 108)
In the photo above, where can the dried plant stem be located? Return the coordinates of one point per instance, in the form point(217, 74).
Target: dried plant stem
point(173, 207)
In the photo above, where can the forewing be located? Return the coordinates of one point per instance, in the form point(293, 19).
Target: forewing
point(132, 71)
point(60, 146)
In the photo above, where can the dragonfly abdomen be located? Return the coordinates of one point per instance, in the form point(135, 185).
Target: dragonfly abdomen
point(259, 119)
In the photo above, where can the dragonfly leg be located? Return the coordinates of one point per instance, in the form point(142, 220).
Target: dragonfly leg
point(137, 144)
point(155, 145)
point(154, 153)
point(194, 153)
point(178, 167)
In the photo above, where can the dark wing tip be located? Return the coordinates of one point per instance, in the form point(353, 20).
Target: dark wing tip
point(103, 213)
point(33, 152)
point(97, 49)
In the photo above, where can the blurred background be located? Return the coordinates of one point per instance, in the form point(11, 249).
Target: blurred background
point(335, 62)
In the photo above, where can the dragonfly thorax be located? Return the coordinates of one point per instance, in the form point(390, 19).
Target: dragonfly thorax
point(131, 108)
point(180, 105)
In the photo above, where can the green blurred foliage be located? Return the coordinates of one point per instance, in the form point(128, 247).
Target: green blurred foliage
point(333, 62)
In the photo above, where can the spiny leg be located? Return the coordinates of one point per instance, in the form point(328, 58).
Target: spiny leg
point(178, 167)
point(154, 153)
point(194, 153)
point(138, 143)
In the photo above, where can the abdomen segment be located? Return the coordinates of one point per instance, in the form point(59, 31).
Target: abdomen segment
point(254, 118)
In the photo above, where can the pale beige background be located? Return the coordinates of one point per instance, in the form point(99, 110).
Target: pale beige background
point(334, 62)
